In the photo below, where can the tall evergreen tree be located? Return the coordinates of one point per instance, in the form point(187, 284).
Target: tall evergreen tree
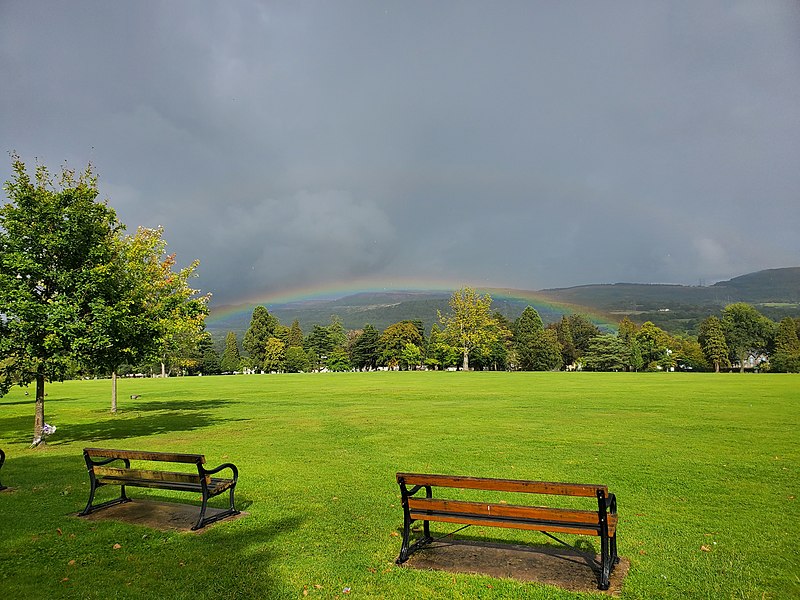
point(786, 358)
point(527, 332)
point(262, 327)
point(364, 350)
point(712, 341)
point(295, 337)
point(231, 358)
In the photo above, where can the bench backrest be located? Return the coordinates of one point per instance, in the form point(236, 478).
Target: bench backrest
point(504, 485)
point(143, 455)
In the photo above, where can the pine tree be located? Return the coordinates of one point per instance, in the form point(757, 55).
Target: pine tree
point(295, 337)
point(712, 341)
point(262, 327)
point(786, 358)
point(231, 359)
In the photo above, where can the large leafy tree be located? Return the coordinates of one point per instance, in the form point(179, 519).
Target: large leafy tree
point(606, 352)
point(394, 339)
point(470, 326)
point(747, 331)
point(57, 262)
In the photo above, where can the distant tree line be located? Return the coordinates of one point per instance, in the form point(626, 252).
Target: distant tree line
point(471, 336)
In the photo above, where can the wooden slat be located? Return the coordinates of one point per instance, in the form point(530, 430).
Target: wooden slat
point(504, 485)
point(481, 509)
point(530, 526)
point(145, 455)
point(146, 475)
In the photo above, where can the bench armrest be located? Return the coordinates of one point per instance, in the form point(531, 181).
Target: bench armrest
point(230, 466)
point(91, 462)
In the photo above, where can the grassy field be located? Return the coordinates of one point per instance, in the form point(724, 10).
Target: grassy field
point(695, 460)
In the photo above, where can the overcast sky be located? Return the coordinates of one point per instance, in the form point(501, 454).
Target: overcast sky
point(521, 144)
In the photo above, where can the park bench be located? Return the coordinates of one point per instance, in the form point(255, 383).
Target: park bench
point(201, 482)
point(2, 460)
point(601, 522)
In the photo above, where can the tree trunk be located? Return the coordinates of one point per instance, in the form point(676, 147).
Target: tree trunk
point(38, 420)
point(114, 392)
point(716, 366)
point(465, 366)
point(163, 370)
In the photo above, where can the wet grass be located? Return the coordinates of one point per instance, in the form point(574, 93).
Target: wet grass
point(705, 468)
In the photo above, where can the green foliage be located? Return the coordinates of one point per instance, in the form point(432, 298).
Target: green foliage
point(786, 358)
point(295, 336)
point(338, 361)
point(440, 354)
point(262, 328)
point(297, 360)
point(712, 341)
point(274, 356)
point(747, 331)
point(231, 358)
point(393, 341)
point(470, 326)
point(58, 266)
point(607, 352)
point(364, 348)
point(411, 357)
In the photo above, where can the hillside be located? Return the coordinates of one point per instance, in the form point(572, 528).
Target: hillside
point(676, 308)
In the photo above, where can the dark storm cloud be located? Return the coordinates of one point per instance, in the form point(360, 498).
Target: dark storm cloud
point(524, 144)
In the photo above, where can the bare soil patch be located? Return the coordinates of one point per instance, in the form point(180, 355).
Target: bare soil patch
point(164, 516)
point(560, 567)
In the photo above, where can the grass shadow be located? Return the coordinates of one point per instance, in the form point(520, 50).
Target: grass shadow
point(143, 405)
point(117, 427)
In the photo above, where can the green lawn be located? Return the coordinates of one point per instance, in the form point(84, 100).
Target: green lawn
point(695, 460)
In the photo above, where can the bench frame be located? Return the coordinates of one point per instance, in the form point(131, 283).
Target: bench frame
point(202, 482)
point(601, 523)
point(2, 460)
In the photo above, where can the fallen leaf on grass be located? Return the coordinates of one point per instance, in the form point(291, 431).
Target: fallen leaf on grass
point(58, 531)
point(72, 562)
point(373, 570)
point(65, 579)
point(305, 591)
point(395, 534)
point(317, 586)
point(642, 552)
point(117, 546)
point(705, 548)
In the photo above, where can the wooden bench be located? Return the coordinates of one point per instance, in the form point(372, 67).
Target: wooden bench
point(601, 522)
point(200, 482)
point(2, 460)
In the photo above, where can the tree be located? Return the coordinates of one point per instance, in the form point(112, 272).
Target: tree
point(471, 325)
point(712, 341)
point(364, 349)
point(440, 354)
point(274, 356)
point(57, 255)
point(607, 352)
point(262, 328)
point(338, 361)
point(296, 360)
point(654, 343)
point(786, 357)
point(231, 359)
point(393, 341)
point(747, 331)
point(411, 357)
point(546, 354)
point(527, 331)
point(295, 337)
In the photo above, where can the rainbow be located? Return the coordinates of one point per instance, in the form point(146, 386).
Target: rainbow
point(316, 293)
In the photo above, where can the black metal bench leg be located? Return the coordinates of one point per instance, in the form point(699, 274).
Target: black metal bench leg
point(605, 566)
point(201, 520)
